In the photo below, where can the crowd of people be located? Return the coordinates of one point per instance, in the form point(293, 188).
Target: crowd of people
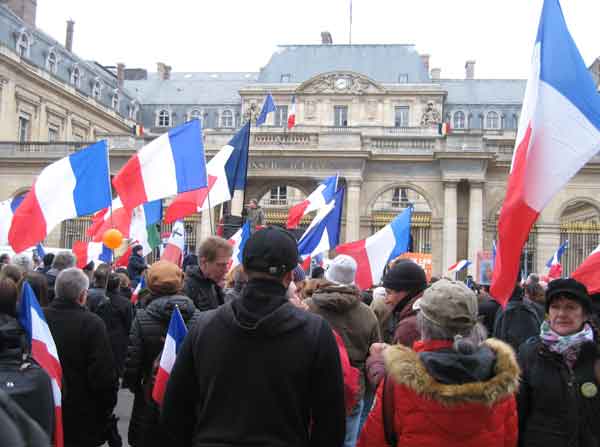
point(273, 357)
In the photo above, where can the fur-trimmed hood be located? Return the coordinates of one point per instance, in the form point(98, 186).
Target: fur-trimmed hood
point(407, 368)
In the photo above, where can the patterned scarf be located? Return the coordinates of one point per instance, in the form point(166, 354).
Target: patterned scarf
point(568, 346)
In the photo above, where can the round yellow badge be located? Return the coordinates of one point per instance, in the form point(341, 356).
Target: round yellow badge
point(589, 389)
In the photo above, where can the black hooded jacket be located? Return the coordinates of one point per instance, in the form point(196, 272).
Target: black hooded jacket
point(146, 341)
point(257, 371)
point(204, 292)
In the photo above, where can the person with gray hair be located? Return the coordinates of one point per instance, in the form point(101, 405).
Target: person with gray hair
point(62, 260)
point(468, 385)
point(87, 362)
point(24, 261)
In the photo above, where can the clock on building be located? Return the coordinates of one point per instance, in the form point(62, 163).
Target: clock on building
point(341, 83)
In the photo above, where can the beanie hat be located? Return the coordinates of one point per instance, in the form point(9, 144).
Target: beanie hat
point(299, 274)
point(571, 289)
point(342, 270)
point(271, 250)
point(405, 275)
point(164, 278)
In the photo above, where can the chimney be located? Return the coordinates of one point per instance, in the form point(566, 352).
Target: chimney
point(69, 39)
point(25, 9)
point(436, 73)
point(425, 61)
point(470, 70)
point(164, 71)
point(326, 38)
point(120, 74)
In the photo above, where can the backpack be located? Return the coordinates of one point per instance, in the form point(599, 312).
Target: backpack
point(517, 323)
point(29, 386)
point(351, 376)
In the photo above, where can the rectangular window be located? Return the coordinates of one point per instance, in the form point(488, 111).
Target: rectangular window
point(285, 78)
point(77, 137)
point(340, 116)
point(278, 195)
point(52, 134)
point(403, 78)
point(401, 116)
point(281, 116)
point(24, 120)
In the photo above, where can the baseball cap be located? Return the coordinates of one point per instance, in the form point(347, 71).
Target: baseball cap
point(449, 304)
point(271, 250)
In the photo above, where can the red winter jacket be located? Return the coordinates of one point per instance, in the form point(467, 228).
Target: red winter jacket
point(432, 413)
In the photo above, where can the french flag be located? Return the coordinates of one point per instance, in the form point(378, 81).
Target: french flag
point(588, 272)
point(117, 216)
point(7, 211)
point(559, 131)
point(91, 251)
point(460, 265)
point(238, 241)
point(43, 351)
point(554, 262)
point(135, 296)
point(171, 164)
point(175, 245)
point(374, 253)
point(73, 186)
point(291, 122)
point(173, 341)
point(315, 201)
point(323, 233)
point(227, 172)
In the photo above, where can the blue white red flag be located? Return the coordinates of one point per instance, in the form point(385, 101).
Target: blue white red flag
point(169, 165)
point(375, 252)
point(175, 336)
point(268, 107)
point(70, 187)
point(175, 246)
point(318, 199)
point(559, 131)
point(7, 211)
point(43, 351)
point(554, 262)
point(91, 251)
point(460, 265)
point(291, 122)
point(238, 241)
point(135, 296)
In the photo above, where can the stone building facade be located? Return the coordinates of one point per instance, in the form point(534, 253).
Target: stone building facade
point(370, 113)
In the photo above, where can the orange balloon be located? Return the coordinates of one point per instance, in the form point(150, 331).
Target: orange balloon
point(112, 238)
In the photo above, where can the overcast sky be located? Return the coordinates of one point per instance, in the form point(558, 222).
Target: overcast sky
point(241, 35)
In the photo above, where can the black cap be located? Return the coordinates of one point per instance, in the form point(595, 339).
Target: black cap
point(405, 275)
point(271, 250)
point(569, 288)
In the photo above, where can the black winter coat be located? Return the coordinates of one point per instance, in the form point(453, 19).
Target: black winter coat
point(204, 292)
point(95, 296)
point(90, 381)
point(146, 341)
point(257, 372)
point(553, 411)
point(135, 267)
point(17, 429)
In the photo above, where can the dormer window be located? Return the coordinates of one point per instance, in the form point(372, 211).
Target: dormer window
point(133, 110)
point(285, 78)
point(115, 100)
point(164, 118)
point(227, 119)
point(52, 62)
point(23, 44)
point(403, 78)
point(96, 89)
point(76, 76)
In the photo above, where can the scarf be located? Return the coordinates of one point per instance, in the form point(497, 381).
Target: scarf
point(568, 346)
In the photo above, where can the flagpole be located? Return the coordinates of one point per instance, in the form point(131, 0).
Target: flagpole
point(247, 164)
point(110, 191)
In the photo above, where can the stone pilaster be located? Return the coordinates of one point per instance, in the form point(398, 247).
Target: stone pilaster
point(353, 211)
point(475, 224)
point(450, 233)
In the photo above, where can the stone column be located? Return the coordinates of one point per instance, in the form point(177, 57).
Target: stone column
point(353, 211)
point(450, 234)
point(475, 224)
point(8, 111)
point(237, 202)
point(42, 123)
point(68, 135)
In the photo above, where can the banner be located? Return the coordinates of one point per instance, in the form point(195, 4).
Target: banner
point(423, 259)
point(485, 267)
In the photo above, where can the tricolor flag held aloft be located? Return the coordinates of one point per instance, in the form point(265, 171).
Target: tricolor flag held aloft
point(238, 241)
point(171, 164)
point(315, 201)
point(588, 272)
point(460, 265)
point(226, 173)
point(7, 211)
point(375, 252)
point(43, 351)
point(135, 296)
point(173, 341)
point(559, 131)
point(73, 186)
point(291, 119)
point(176, 245)
point(117, 216)
point(554, 262)
point(91, 251)
point(268, 107)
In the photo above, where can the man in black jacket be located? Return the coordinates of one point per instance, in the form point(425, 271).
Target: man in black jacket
point(203, 282)
point(136, 265)
point(97, 293)
point(89, 372)
point(258, 370)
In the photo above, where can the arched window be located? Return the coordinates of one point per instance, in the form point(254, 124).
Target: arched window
point(227, 119)
point(515, 121)
point(96, 89)
point(164, 118)
point(115, 101)
point(133, 110)
point(76, 76)
point(52, 62)
point(196, 115)
point(459, 120)
point(492, 120)
point(23, 45)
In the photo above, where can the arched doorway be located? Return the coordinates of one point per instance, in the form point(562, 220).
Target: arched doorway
point(580, 225)
point(395, 200)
